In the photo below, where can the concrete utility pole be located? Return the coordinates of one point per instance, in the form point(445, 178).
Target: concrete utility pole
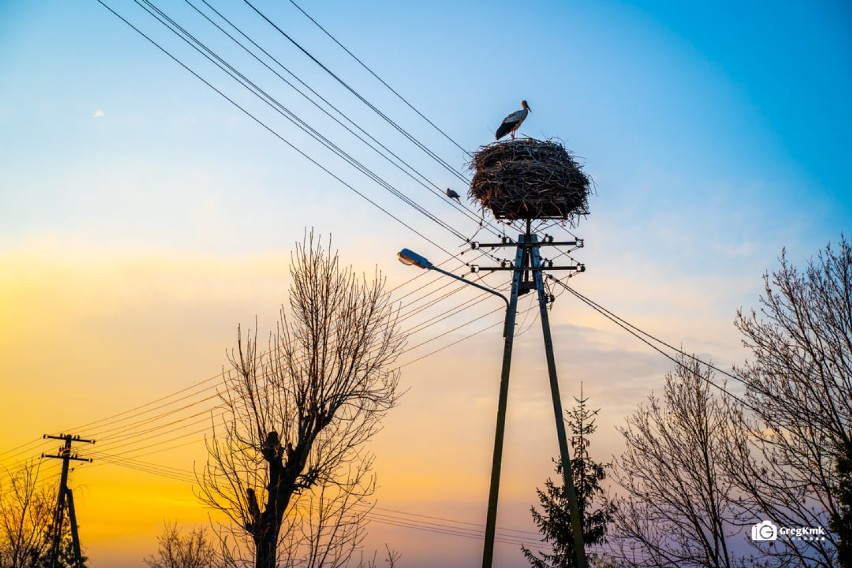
point(526, 277)
point(65, 498)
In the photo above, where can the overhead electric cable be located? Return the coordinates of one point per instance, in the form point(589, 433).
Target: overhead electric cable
point(412, 172)
point(214, 58)
point(641, 336)
point(382, 81)
point(370, 105)
point(274, 132)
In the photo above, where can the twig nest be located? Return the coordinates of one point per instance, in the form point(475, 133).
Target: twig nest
point(529, 179)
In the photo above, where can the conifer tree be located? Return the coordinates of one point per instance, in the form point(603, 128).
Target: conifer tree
point(554, 519)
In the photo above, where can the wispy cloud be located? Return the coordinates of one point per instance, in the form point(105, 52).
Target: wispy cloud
point(99, 114)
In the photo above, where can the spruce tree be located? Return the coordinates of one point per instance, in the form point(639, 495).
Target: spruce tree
point(554, 519)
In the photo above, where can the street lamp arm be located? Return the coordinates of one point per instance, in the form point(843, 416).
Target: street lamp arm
point(474, 284)
point(411, 258)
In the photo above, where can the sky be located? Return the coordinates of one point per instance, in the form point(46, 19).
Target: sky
point(143, 216)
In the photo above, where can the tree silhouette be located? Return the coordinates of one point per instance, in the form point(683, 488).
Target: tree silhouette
point(554, 520)
point(26, 521)
point(176, 550)
point(679, 507)
point(793, 463)
point(286, 463)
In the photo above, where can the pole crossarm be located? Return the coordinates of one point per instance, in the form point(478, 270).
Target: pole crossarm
point(574, 267)
point(64, 451)
point(75, 438)
point(537, 244)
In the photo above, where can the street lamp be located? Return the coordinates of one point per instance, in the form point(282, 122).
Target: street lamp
point(411, 258)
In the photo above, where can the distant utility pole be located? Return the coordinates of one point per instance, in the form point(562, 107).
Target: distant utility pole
point(65, 498)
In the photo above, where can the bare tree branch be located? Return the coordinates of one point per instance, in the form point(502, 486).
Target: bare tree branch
point(680, 507)
point(26, 515)
point(799, 380)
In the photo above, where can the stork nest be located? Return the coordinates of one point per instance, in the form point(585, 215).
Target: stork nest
point(529, 179)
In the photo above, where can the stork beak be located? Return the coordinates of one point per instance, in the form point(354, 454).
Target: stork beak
point(528, 108)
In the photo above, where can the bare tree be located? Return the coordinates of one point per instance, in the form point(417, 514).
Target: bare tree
point(287, 458)
point(26, 515)
point(327, 521)
point(390, 559)
point(178, 551)
point(792, 464)
point(679, 509)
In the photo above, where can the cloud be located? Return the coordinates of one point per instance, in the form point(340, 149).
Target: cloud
point(99, 114)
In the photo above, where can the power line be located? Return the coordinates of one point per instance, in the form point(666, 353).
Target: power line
point(273, 103)
point(138, 410)
point(642, 335)
point(382, 81)
point(273, 131)
point(214, 58)
point(396, 517)
point(126, 435)
point(372, 107)
point(130, 423)
point(420, 179)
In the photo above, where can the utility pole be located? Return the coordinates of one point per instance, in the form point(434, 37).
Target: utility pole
point(527, 276)
point(65, 498)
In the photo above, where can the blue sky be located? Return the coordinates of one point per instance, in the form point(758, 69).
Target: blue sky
point(142, 216)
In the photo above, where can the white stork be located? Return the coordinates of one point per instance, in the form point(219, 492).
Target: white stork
point(512, 122)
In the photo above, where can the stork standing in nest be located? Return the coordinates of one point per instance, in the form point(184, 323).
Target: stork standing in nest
point(512, 122)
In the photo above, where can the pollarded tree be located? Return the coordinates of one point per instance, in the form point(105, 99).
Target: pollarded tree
point(286, 462)
point(554, 520)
